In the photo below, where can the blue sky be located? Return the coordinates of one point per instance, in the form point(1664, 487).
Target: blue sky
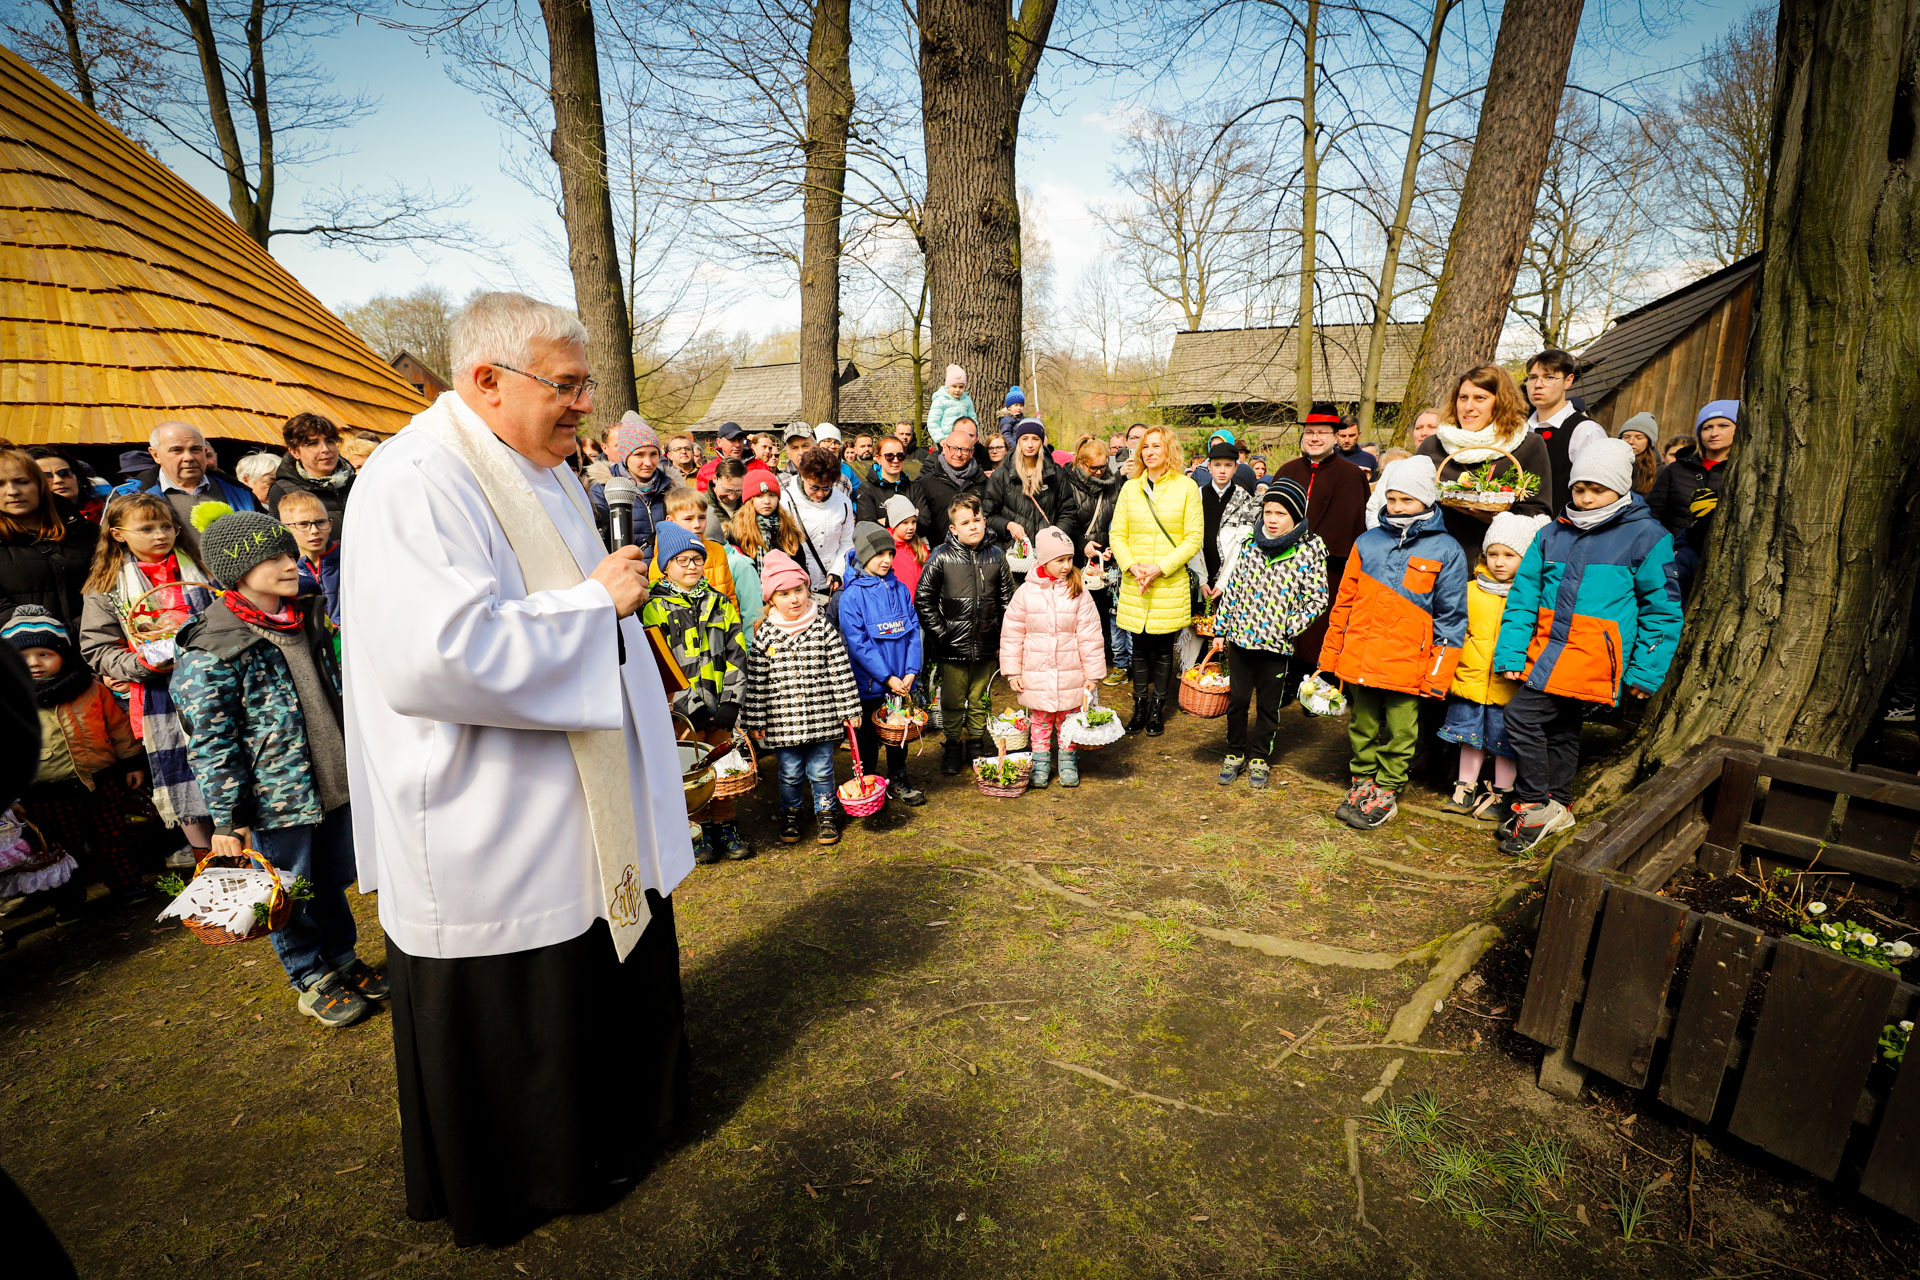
point(428, 130)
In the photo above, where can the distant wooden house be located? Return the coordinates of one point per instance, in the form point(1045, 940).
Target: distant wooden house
point(766, 397)
point(418, 376)
point(127, 299)
point(1675, 354)
point(1250, 373)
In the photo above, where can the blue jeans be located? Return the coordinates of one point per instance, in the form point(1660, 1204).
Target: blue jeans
point(319, 936)
point(1122, 641)
point(812, 761)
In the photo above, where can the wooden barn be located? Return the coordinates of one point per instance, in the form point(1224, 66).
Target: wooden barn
point(766, 397)
point(1675, 354)
point(128, 299)
point(1249, 373)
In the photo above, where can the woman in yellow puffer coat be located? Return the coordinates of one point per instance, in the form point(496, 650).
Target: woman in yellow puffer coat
point(1158, 524)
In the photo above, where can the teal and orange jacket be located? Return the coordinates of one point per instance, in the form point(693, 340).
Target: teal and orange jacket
point(1591, 609)
point(1401, 614)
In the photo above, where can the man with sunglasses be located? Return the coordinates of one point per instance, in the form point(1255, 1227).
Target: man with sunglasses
point(888, 477)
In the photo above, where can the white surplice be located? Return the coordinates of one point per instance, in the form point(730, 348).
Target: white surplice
point(468, 814)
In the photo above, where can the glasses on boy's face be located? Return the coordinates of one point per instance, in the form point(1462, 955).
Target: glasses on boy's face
point(309, 526)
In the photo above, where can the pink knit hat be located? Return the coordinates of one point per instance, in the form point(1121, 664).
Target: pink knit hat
point(1051, 544)
point(630, 433)
point(779, 572)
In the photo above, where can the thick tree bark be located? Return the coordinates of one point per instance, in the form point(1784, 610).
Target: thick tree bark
point(1517, 111)
point(975, 68)
point(1801, 613)
point(1309, 211)
point(1397, 234)
point(580, 153)
point(829, 109)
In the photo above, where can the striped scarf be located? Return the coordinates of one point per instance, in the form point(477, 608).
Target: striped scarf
point(176, 796)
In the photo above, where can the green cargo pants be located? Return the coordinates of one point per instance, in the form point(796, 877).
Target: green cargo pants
point(1384, 759)
point(966, 698)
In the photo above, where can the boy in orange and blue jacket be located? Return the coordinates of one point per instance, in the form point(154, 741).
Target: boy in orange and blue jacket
point(1594, 607)
point(1394, 636)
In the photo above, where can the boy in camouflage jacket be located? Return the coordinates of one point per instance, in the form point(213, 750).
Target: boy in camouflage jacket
point(258, 687)
point(701, 627)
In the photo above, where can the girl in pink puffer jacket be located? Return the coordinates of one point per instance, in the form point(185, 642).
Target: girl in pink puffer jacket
point(1051, 651)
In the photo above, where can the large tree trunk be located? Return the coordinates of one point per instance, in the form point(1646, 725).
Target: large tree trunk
point(1309, 210)
point(1801, 613)
point(580, 153)
point(829, 109)
point(1517, 111)
point(975, 68)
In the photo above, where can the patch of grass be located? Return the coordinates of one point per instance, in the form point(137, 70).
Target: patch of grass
point(1170, 935)
point(1331, 858)
point(1481, 1187)
point(1630, 1206)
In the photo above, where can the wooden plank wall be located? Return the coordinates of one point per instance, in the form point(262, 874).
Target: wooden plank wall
point(1709, 362)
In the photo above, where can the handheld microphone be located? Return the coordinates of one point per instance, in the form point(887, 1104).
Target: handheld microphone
point(620, 496)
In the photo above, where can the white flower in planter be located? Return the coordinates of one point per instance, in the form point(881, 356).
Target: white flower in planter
point(1816, 908)
point(1867, 939)
point(1900, 950)
point(1829, 931)
point(1906, 1026)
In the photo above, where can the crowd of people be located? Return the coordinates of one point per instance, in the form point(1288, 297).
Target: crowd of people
point(184, 627)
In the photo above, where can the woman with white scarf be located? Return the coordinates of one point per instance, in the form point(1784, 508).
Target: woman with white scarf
point(1487, 413)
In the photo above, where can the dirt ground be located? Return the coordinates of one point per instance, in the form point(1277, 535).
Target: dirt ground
point(1118, 1031)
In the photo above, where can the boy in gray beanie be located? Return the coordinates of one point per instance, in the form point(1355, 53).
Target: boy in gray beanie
point(258, 685)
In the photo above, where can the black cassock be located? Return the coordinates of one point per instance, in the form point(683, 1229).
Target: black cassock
point(538, 1082)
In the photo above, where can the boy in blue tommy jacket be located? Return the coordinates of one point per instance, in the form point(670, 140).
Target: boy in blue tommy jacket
point(1595, 607)
point(882, 632)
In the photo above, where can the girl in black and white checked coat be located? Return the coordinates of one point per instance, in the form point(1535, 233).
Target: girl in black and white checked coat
point(801, 695)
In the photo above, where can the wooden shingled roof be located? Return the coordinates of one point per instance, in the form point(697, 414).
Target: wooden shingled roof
point(766, 397)
point(1242, 366)
point(128, 299)
point(1637, 337)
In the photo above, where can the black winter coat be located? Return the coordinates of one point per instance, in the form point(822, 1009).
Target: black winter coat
point(940, 491)
point(1057, 503)
point(872, 502)
point(49, 574)
point(289, 480)
point(962, 598)
point(1671, 498)
point(1097, 500)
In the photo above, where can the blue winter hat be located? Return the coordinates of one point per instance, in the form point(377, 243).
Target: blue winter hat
point(672, 540)
point(1016, 396)
point(1728, 409)
point(1030, 427)
point(32, 627)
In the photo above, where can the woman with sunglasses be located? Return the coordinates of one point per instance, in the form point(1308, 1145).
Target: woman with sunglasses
point(888, 478)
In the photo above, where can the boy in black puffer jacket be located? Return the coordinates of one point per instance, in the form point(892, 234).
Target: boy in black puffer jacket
point(964, 589)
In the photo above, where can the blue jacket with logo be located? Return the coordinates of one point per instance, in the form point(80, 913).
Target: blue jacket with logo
point(880, 627)
point(1592, 609)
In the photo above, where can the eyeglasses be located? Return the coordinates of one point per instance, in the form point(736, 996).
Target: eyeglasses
point(569, 392)
point(309, 526)
point(895, 456)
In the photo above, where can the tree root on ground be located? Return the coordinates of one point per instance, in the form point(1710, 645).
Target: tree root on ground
point(1132, 1092)
point(1359, 1183)
point(1459, 955)
point(1405, 870)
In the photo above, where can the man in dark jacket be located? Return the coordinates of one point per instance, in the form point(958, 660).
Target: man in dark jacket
point(1337, 495)
point(183, 473)
point(957, 467)
point(964, 590)
point(313, 465)
point(887, 478)
point(1690, 487)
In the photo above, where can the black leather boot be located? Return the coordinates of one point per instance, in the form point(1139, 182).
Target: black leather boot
point(1142, 694)
point(1156, 715)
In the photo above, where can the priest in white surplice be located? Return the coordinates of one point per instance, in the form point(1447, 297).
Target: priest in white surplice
point(516, 793)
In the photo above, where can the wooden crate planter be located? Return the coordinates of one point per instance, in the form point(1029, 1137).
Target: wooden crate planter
point(1773, 1040)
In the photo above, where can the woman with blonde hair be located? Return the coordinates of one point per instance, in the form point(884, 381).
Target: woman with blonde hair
point(1484, 415)
point(1158, 526)
point(1030, 491)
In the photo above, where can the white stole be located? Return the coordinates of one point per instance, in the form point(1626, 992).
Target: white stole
point(600, 755)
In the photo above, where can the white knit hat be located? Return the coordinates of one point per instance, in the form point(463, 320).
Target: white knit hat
point(900, 508)
point(1514, 531)
point(1643, 423)
point(826, 431)
point(1414, 477)
point(1605, 462)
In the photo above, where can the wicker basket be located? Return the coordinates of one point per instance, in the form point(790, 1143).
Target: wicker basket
point(897, 733)
point(279, 910)
point(1460, 502)
point(861, 795)
point(150, 621)
point(1082, 736)
point(740, 783)
point(1196, 701)
point(1023, 777)
point(1006, 736)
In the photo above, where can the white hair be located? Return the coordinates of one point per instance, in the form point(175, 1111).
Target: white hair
point(257, 466)
point(501, 328)
point(153, 437)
